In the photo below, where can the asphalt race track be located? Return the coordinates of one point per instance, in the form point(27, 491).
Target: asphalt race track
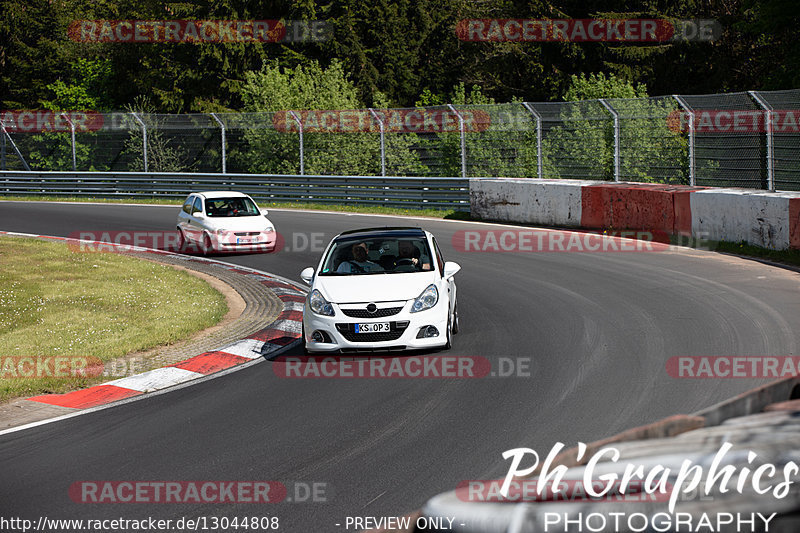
point(597, 328)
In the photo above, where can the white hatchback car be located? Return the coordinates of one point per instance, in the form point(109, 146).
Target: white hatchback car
point(380, 289)
point(225, 221)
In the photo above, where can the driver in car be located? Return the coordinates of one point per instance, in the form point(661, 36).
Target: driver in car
point(408, 256)
point(360, 262)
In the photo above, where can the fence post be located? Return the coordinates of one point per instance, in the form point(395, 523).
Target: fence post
point(383, 144)
point(72, 132)
point(3, 151)
point(616, 137)
point(222, 128)
point(539, 166)
point(770, 145)
point(144, 139)
point(692, 164)
point(14, 146)
point(300, 126)
point(463, 141)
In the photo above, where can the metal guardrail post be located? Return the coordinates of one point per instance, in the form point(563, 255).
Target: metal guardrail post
point(692, 164)
point(14, 146)
point(3, 151)
point(616, 137)
point(463, 141)
point(222, 128)
point(539, 166)
point(383, 143)
point(144, 139)
point(300, 126)
point(72, 131)
point(770, 144)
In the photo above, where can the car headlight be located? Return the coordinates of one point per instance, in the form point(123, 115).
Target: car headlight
point(221, 231)
point(426, 300)
point(269, 229)
point(319, 304)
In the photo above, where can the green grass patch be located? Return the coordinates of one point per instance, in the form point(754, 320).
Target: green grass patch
point(788, 257)
point(366, 209)
point(58, 302)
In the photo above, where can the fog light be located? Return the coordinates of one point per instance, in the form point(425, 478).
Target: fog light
point(317, 336)
point(426, 332)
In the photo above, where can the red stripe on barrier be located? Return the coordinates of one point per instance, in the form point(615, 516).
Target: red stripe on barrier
point(794, 223)
point(210, 362)
point(655, 208)
point(91, 397)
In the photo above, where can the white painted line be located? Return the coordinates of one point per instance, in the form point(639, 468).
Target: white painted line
point(249, 348)
point(159, 378)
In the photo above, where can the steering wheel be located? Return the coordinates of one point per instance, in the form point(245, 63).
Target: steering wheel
point(404, 261)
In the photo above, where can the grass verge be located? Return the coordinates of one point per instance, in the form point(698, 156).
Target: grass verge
point(59, 306)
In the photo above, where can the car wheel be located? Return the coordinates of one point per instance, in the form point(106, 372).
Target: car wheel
point(449, 335)
point(455, 318)
point(208, 246)
point(303, 338)
point(181, 240)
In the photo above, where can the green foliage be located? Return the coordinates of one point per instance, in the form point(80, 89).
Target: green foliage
point(163, 154)
point(279, 90)
point(582, 146)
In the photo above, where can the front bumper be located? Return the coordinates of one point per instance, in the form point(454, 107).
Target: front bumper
point(339, 330)
point(262, 242)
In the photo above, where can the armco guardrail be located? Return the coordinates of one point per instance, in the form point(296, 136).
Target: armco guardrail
point(408, 192)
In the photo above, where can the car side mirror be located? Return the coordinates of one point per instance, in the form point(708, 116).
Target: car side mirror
point(451, 269)
point(307, 275)
point(264, 212)
point(198, 214)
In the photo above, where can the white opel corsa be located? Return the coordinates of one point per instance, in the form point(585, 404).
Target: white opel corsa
point(225, 221)
point(380, 289)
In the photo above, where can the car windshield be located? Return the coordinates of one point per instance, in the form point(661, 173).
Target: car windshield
point(365, 255)
point(231, 207)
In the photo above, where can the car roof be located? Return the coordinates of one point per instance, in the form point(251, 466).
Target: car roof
point(221, 194)
point(386, 233)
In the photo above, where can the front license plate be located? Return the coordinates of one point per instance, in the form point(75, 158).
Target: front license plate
point(245, 240)
point(376, 327)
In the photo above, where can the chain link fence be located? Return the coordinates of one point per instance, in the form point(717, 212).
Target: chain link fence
point(747, 139)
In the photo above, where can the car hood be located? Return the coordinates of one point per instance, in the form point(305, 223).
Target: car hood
point(258, 223)
point(374, 287)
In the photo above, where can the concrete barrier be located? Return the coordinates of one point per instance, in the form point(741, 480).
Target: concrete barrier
point(545, 202)
point(767, 219)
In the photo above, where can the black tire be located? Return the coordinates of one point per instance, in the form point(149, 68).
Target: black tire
point(449, 336)
point(455, 318)
point(181, 241)
point(208, 246)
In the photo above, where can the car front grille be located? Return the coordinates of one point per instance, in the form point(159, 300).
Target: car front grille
point(363, 313)
point(246, 233)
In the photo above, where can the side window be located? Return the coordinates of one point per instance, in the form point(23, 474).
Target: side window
point(187, 206)
point(198, 205)
point(439, 258)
